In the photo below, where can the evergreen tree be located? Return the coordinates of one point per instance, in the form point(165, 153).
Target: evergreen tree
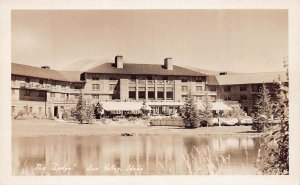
point(263, 109)
point(190, 113)
point(83, 112)
point(206, 113)
point(275, 160)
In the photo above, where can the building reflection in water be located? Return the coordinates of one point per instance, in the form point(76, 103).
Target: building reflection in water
point(137, 155)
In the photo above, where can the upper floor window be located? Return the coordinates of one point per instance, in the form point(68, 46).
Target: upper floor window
point(95, 87)
point(63, 95)
point(165, 78)
point(198, 88)
point(95, 77)
point(227, 88)
point(133, 77)
point(27, 92)
point(52, 95)
point(13, 77)
point(112, 78)
point(149, 78)
point(41, 81)
point(27, 80)
point(200, 79)
point(184, 79)
point(95, 96)
point(13, 91)
point(41, 94)
point(184, 88)
point(78, 86)
point(243, 87)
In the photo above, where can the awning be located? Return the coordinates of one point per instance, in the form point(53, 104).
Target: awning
point(123, 106)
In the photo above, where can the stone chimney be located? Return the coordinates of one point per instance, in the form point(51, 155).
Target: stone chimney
point(45, 67)
point(119, 61)
point(168, 64)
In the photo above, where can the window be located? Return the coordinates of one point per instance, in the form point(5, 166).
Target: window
point(27, 80)
point(165, 78)
point(243, 97)
point(198, 88)
point(27, 93)
point(112, 78)
point(13, 78)
point(41, 93)
point(132, 94)
point(110, 96)
point(213, 88)
point(76, 96)
point(243, 87)
point(151, 93)
point(149, 78)
point(160, 92)
point(63, 85)
point(227, 98)
point(13, 91)
point(41, 81)
point(30, 109)
point(95, 77)
point(133, 77)
point(112, 87)
point(62, 96)
point(40, 110)
point(184, 97)
point(198, 97)
point(95, 96)
point(95, 87)
point(142, 92)
point(184, 79)
point(169, 93)
point(78, 86)
point(213, 98)
point(227, 88)
point(53, 83)
point(184, 88)
point(52, 95)
point(200, 79)
point(13, 109)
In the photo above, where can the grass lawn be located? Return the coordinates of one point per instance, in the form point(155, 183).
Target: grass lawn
point(49, 127)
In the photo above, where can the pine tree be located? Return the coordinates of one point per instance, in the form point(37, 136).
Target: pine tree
point(191, 118)
point(80, 107)
point(84, 112)
point(263, 109)
point(206, 113)
point(275, 160)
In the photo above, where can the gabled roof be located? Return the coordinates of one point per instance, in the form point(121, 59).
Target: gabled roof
point(143, 69)
point(25, 70)
point(248, 78)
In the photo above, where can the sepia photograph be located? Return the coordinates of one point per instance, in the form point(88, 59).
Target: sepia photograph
point(149, 92)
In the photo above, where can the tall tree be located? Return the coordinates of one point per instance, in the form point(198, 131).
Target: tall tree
point(275, 159)
point(190, 113)
point(263, 109)
point(206, 112)
point(83, 113)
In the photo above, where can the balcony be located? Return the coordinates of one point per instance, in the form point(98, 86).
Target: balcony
point(33, 86)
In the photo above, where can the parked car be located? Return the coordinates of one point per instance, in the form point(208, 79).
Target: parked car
point(247, 120)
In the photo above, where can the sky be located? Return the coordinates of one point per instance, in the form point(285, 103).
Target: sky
point(220, 40)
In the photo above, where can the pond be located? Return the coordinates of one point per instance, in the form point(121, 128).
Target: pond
point(135, 155)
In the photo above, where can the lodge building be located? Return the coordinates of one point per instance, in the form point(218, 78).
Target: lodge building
point(165, 87)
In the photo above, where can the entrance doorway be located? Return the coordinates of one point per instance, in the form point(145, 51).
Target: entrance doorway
point(56, 111)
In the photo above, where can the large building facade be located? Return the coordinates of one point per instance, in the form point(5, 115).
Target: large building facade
point(44, 91)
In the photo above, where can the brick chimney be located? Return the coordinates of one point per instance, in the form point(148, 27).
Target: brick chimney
point(168, 63)
point(45, 67)
point(119, 61)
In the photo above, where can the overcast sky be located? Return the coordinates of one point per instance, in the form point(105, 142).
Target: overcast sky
point(222, 40)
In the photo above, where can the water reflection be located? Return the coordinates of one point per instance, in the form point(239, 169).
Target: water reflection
point(137, 155)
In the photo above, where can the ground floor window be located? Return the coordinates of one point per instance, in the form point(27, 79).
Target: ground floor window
point(142, 94)
point(13, 109)
point(170, 95)
point(132, 94)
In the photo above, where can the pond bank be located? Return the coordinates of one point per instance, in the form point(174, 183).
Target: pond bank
point(27, 128)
